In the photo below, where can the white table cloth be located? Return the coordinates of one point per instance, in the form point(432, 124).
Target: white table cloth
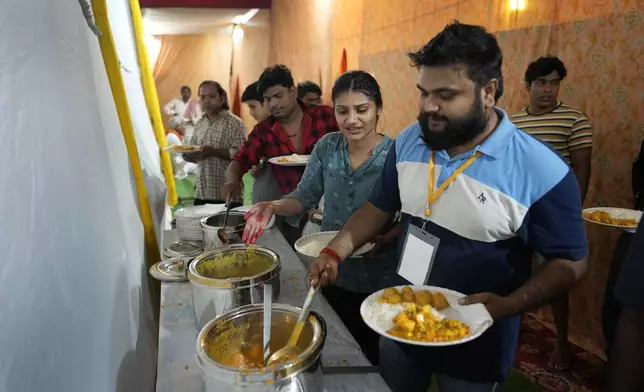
point(177, 369)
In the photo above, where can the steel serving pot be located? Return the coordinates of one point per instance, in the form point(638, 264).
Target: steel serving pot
point(221, 338)
point(231, 276)
point(234, 229)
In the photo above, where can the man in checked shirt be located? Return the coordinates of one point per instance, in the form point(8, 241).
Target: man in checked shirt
point(292, 128)
point(220, 134)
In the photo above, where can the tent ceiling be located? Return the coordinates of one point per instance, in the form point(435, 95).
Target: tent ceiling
point(206, 3)
point(168, 21)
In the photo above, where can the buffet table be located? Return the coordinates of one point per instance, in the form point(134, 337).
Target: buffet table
point(177, 369)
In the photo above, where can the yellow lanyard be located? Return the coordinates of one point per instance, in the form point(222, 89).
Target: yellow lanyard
point(432, 195)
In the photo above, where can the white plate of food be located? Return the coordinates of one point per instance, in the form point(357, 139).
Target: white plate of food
point(311, 245)
point(245, 209)
point(429, 316)
point(621, 218)
point(181, 149)
point(290, 160)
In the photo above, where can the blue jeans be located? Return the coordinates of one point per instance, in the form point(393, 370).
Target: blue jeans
point(404, 374)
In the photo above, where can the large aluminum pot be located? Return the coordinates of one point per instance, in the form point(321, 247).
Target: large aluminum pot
point(231, 276)
point(219, 341)
point(234, 229)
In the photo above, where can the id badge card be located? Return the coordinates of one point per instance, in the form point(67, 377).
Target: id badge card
point(418, 254)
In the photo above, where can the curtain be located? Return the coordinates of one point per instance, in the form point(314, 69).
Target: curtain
point(189, 60)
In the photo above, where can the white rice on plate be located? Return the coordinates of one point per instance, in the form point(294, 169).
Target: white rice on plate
point(379, 317)
point(312, 244)
point(383, 314)
point(313, 248)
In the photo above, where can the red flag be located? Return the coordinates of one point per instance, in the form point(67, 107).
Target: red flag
point(236, 107)
point(320, 81)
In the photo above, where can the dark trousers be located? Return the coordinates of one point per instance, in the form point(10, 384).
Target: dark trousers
point(347, 305)
point(290, 233)
point(612, 307)
point(201, 202)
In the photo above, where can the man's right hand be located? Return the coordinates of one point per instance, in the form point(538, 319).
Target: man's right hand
point(323, 271)
point(257, 219)
point(230, 189)
point(254, 171)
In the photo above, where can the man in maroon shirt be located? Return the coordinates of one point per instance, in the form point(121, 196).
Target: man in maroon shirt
point(292, 128)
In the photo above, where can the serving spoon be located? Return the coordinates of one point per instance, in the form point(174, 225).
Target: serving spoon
point(221, 233)
point(291, 350)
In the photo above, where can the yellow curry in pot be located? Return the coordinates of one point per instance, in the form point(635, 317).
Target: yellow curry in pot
point(225, 343)
point(235, 264)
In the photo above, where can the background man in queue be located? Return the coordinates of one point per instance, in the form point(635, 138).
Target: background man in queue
point(567, 130)
point(220, 134)
point(184, 109)
point(309, 92)
point(497, 196)
point(292, 128)
point(255, 102)
point(627, 356)
point(265, 188)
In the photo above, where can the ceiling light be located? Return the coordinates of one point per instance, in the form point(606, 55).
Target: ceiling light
point(243, 19)
point(517, 5)
point(238, 34)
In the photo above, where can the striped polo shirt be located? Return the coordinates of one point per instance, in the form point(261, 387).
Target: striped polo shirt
point(565, 128)
point(517, 198)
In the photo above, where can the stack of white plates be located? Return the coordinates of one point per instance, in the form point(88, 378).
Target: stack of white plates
point(189, 218)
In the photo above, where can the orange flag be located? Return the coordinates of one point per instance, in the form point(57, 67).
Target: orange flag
point(236, 106)
point(343, 62)
point(320, 81)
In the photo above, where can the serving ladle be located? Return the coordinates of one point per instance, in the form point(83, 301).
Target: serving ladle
point(291, 350)
point(221, 233)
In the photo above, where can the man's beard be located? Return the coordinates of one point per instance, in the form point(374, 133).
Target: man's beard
point(457, 131)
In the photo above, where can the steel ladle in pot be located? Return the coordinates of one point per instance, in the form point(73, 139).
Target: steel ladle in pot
point(291, 350)
point(247, 349)
point(221, 233)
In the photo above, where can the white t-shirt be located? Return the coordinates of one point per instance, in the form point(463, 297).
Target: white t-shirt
point(176, 107)
point(189, 114)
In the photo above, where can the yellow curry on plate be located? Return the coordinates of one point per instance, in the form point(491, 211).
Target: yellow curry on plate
point(606, 218)
point(418, 321)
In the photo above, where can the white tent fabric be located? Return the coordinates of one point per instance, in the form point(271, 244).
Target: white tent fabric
point(122, 30)
point(75, 313)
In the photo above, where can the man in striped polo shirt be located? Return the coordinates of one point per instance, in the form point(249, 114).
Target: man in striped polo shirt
point(563, 127)
point(496, 196)
point(569, 132)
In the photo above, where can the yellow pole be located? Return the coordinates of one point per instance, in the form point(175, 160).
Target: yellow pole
point(113, 69)
point(152, 100)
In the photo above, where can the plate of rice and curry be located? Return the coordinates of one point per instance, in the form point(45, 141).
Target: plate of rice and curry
point(181, 149)
point(290, 160)
point(621, 218)
point(424, 316)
